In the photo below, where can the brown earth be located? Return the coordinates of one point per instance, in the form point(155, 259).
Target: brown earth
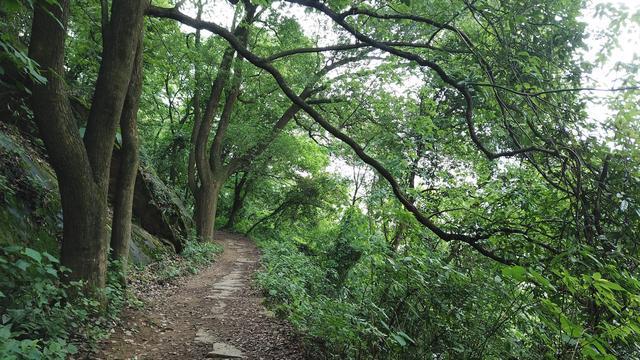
point(214, 314)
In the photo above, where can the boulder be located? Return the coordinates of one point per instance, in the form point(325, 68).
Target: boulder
point(156, 208)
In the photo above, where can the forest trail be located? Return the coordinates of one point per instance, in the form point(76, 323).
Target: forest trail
point(213, 314)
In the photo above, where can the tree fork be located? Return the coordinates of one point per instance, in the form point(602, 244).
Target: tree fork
point(82, 167)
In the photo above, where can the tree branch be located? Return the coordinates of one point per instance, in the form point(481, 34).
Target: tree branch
point(262, 63)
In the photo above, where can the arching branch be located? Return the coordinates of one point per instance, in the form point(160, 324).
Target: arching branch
point(473, 240)
point(461, 87)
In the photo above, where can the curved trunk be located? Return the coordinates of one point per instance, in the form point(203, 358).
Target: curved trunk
point(83, 204)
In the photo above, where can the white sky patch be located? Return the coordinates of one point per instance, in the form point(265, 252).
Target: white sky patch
point(628, 40)
point(605, 76)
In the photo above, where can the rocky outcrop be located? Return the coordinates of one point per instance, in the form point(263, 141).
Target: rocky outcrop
point(156, 208)
point(29, 201)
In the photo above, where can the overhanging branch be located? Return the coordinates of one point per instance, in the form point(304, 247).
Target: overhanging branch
point(472, 240)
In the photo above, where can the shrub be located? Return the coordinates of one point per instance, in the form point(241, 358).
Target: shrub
point(41, 315)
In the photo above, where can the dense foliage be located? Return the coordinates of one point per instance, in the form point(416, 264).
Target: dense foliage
point(40, 314)
point(426, 179)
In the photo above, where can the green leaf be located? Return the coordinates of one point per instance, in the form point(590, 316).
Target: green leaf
point(52, 271)
point(5, 332)
point(33, 254)
point(399, 339)
point(596, 276)
point(407, 337)
point(541, 280)
point(609, 285)
point(50, 257)
point(515, 272)
point(570, 328)
point(22, 265)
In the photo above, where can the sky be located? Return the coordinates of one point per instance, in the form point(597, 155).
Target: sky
point(605, 76)
point(628, 38)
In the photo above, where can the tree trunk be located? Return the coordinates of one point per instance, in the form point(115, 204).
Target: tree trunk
point(84, 245)
point(205, 209)
point(83, 208)
point(239, 192)
point(82, 167)
point(123, 194)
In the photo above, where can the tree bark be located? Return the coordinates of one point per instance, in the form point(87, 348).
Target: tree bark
point(205, 209)
point(82, 167)
point(123, 194)
point(209, 176)
point(239, 193)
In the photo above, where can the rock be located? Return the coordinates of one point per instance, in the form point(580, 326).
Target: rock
point(33, 216)
point(30, 214)
point(205, 337)
point(145, 246)
point(157, 208)
point(223, 350)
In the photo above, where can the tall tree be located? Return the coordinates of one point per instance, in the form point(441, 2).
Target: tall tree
point(211, 163)
point(82, 165)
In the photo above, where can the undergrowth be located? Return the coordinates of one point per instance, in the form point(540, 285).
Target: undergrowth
point(41, 318)
point(195, 256)
point(353, 298)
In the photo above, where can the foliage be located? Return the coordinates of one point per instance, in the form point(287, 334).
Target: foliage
point(423, 303)
point(14, 60)
point(42, 315)
point(195, 256)
point(529, 247)
point(45, 317)
point(379, 304)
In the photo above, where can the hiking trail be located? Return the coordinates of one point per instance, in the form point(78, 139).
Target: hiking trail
point(216, 313)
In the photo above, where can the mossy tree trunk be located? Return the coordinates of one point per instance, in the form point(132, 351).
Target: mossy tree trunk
point(205, 209)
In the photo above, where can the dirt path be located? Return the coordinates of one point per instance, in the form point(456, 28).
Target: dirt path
point(214, 314)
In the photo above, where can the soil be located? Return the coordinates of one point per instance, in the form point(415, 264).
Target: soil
point(216, 313)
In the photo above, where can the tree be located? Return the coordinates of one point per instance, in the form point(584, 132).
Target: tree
point(82, 164)
point(128, 170)
point(506, 99)
point(212, 162)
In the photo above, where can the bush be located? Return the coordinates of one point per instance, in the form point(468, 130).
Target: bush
point(302, 288)
point(194, 256)
point(353, 298)
point(40, 314)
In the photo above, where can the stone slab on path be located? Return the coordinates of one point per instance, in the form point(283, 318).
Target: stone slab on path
point(225, 351)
